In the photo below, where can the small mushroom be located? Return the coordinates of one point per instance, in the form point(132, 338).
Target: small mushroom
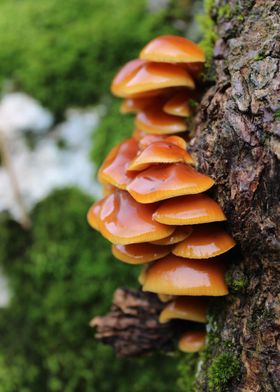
point(113, 169)
point(153, 78)
point(172, 49)
point(204, 242)
point(159, 152)
point(134, 105)
point(192, 341)
point(189, 210)
point(139, 253)
point(154, 120)
point(124, 73)
point(185, 308)
point(146, 140)
point(178, 235)
point(124, 221)
point(93, 214)
point(178, 105)
point(165, 181)
point(178, 276)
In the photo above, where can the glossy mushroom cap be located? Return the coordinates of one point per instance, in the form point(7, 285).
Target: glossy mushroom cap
point(93, 214)
point(124, 221)
point(192, 341)
point(139, 253)
point(165, 181)
point(146, 140)
point(189, 210)
point(178, 235)
point(159, 152)
point(153, 77)
point(113, 169)
point(172, 49)
point(155, 120)
point(178, 105)
point(178, 276)
point(204, 242)
point(124, 73)
point(185, 308)
point(134, 105)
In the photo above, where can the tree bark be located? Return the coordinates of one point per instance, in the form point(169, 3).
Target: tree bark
point(237, 142)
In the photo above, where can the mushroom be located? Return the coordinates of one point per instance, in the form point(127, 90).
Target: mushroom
point(146, 140)
point(178, 235)
point(124, 73)
point(124, 221)
point(178, 105)
point(172, 49)
point(185, 308)
point(139, 253)
point(164, 297)
point(165, 181)
point(204, 242)
point(159, 152)
point(113, 169)
point(93, 214)
point(152, 78)
point(154, 120)
point(178, 276)
point(189, 210)
point(192, 341)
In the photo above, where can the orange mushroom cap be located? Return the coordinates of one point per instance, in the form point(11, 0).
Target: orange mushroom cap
point(189, 210)
point(113, 169)
point(153, 77)
point(165, 297)
point(204, 242)
point(93, 214)
point(172, 49)
point(178, 276)
point(142, 275)
point(192, 341)
point(178, 235)
point(149, 139)
point(134, 105)
point(139, 253)
point(178, 105)
point(159, 152)
point(185, 308)
point(124, 73)
point(124, 221)
point(154, 120)
point(165, 181)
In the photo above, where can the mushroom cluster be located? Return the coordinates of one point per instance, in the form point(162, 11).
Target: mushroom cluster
point(155, 210)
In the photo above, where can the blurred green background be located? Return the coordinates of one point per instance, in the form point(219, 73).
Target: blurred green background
point(61, 272)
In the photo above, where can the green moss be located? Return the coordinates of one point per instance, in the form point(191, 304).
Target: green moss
point(68, 53)
point(224, 11)
point(277, 114)
point(187, 369)
point(62, 273)
point(237, 282)
point(259, 56)
point(223, 368)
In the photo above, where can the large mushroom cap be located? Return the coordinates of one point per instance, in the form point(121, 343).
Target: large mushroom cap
point(124, 221)
point(155, 120)
point(189, 210)
point(153, 77)
point(93, 214)
point(172, 49)
point(165, 181)
point(159, 152)
point(124, 73)
point(204, 242)
point(139, 253)
point(178, 105)
point(178, 276)
point(113, 169)
point(185, 308)
point(192, 341)
point(178, 235)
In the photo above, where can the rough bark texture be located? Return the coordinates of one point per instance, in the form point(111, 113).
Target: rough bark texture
point(238, 143)
point(132, 328)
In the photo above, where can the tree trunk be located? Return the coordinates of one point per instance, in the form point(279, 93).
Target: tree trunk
point(238, 143)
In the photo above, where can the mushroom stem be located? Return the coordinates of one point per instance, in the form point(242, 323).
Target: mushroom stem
point(25, 220)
